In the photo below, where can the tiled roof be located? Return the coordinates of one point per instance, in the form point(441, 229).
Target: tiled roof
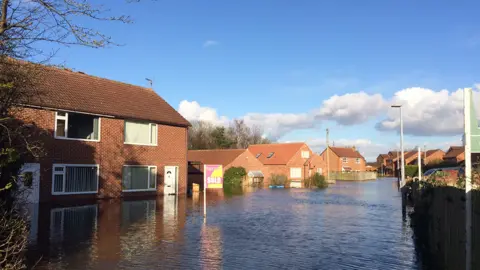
point(348, 152)
point(385, 156)
point(282, 152)
point(214, 156)
point(454, 151)
point(76, 91)
point(431, 152)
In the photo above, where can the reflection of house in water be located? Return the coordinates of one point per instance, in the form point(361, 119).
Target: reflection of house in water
point(110, 234)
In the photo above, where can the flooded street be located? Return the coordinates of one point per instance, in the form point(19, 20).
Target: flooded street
point(350, 225)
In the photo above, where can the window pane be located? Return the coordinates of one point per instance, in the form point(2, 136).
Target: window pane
point(135, 178)
point(137, 132)
point(96, 128)
point(81, 179)
point(153, 177)
point(61, 113)
point(58, 183)
point(81, 126)
point(60, 128)
point(154, 134)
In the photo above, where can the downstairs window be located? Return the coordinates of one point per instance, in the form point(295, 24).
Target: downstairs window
point(74, 179)
point(139, 178)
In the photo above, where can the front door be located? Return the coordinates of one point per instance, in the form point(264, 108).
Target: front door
point(29, 184)
point(171, 180)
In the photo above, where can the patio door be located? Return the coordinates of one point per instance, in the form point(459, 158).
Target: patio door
point(171, 180)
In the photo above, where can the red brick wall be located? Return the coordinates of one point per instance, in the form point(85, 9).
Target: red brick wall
point(334, 162)
point(110, 153)
point(248, 161)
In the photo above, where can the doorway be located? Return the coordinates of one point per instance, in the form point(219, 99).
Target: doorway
point(171, 180)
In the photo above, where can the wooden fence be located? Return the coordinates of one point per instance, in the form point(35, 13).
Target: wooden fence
point(353, 176)
point(438, 221)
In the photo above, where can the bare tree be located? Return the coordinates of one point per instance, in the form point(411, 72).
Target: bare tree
point(25, 23)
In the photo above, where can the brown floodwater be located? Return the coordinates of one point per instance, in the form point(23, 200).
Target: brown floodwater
point(350, 225)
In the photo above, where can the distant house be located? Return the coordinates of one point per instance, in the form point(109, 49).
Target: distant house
point(103, 139)
point(385, 164)
point(371, 167)
point(295, 160)
point(344, 159)
point(454, 155)
point(227, 158)
point(433, 156)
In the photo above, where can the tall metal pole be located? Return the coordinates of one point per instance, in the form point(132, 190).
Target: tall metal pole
point(328, 161)
point(401, 147)
point(468, 177)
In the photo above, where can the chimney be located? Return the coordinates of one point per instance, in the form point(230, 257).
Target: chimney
point(354, 148)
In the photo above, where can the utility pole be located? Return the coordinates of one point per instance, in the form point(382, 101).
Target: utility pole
point(468, 174)
point(419, 164)
point(328, 163)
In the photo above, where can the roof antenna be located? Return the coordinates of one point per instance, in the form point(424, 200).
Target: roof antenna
point(150, 82)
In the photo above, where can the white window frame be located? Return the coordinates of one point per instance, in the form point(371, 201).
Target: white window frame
point(357, 160)
point(150, 132)
point(65, 179)
point(345, 160)
point(148, 181)
point(296, 177)
point(305, 154)
point(320, 170)
point(65, 118)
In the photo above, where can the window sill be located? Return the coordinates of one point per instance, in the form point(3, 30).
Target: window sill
point(139, 190)
point(141, 144)
point(75, 139)
point(74, 193)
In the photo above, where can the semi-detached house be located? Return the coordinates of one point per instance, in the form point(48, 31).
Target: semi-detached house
point(104, 139)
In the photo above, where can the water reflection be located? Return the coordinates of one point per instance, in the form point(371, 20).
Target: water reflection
point(348, 226)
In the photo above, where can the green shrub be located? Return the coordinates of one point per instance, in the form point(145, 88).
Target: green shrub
point(234, 176)
point(278, 180)
point(315, 181)
point(411, 170)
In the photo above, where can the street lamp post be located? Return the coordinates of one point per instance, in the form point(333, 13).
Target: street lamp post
point(401, 145)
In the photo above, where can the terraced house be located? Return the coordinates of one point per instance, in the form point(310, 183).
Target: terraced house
point(104, 139)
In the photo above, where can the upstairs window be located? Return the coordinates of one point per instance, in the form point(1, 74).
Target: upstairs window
point(305, 154)
point(357, 160)
point(77, 126)
point(345, 160)
point(270, 154)
point(140, 133)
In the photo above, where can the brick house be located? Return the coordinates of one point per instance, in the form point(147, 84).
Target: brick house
point(104, 139)
point(344, 159)
point(294, 160)
point(454, 155)
point(227, 158)
point(433, 156)
point(385, 164)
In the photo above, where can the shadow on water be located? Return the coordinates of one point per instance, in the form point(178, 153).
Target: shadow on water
point(348, 226)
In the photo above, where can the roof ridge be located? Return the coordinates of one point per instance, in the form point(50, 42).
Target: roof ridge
point(240, 149)
point(81, 73)
point(277, 143)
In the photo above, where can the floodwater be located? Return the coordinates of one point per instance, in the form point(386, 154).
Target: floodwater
point(350, 225)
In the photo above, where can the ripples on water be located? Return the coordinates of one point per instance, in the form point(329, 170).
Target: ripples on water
point(347, 226)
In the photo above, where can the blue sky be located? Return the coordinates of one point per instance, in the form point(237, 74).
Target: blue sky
point(235, 58)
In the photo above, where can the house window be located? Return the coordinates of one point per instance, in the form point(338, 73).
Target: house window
point(344, 160)
point(305, 154)
point(319, 170)
point(74, 179)
point(270, 154)
point(140, 133)
point(295, 172)
point(357, 160)
point(258, 155)
point(139, 178)
point(77, 126)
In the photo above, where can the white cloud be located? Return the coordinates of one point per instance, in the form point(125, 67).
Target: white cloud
point(427, 112)
point(354, 108)
point(193, 111)
point(275, 125)
point(210, 43)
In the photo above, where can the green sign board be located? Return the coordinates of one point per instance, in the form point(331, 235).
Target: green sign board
point(474, 129)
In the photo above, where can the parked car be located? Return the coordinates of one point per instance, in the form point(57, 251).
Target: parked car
point(449, 174)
